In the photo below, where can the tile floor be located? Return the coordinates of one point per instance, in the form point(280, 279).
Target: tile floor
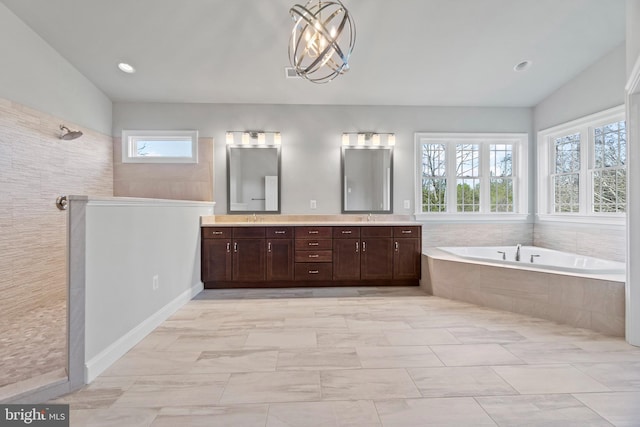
point(33, 349)
point(362, 357)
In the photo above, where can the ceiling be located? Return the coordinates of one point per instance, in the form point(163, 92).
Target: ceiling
point(407, 52)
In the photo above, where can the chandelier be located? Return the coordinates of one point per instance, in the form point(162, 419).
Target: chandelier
point(321, 40)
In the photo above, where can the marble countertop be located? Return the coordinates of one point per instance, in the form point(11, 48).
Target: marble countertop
point(304, 220)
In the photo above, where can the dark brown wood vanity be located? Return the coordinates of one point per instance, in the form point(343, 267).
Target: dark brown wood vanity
point(261, 256)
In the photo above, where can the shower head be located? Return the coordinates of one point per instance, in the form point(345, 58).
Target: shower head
point(69, 134)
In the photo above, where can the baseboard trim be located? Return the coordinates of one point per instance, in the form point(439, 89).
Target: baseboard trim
point(98, 364)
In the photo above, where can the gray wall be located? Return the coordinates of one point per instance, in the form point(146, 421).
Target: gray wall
point(35, 75)
point(311, 140)
point(597, 88)
point(633, 33)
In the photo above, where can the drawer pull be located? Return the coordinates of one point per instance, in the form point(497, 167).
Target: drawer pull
point(313, 231)
point(346, 232)
point(280, 232)
point(235, 247)
point(228, 247)
point(314, 243)
point(406, 231)
point(364, 246)
point(216, 233)
point(269, 247)
point(313, 272)
point(396, 245)
point(314, 256)
point(357, 247)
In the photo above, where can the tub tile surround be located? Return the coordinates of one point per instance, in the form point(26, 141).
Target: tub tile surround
point(493, 368)
point(600, 241)
point(579, 301)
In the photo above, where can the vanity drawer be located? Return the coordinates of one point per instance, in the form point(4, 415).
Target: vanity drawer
point(311, 271)
point(313, 232)
point(314, 256)
point(313, 245)
point(216, 232)
point(279, 232)
point(248, 232)
point(376, 231)
point(346, 232)
point(406, 231)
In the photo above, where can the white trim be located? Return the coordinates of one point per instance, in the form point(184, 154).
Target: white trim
point(473, 217)
point(520, 175)
point(128, 136)
point(107, 357)
point(135, 201)
point(583, 126)
point(634, 79)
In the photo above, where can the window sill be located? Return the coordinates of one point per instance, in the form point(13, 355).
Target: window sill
point(473, 218)
point(583, 219)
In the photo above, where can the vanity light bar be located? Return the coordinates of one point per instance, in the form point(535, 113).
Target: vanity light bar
point(368, 138)
point(254, 137)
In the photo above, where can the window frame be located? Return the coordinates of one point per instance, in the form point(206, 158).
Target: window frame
point(585, 126)
point(130, 137)
point(519, 141)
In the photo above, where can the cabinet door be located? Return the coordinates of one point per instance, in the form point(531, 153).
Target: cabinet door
point(376, 259)
point(406, 263)
point(216, 260)
point(279, 259)
point(346, 259)
point(249, 260)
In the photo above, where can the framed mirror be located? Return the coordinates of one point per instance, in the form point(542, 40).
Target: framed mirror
point(367, 179)
point(253, 179)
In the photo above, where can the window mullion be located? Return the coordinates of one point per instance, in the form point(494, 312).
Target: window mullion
point(451, 177)
point(584, 189)
point(485, 187)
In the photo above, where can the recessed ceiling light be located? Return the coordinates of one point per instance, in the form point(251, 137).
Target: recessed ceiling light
point(127, 68)
point(521, 66)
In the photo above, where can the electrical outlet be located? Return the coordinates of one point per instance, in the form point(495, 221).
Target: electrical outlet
point(407, 204)
point(313, 204)
point(156, 283)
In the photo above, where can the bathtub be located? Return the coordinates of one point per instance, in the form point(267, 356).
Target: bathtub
point(581, 291)
point(538, 259)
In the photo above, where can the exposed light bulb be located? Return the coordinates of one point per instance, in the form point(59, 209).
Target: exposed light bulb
point(229, 138)
point(361, 138)
point(245, 137)
point(345, 139)
point(375, 139)
point(391, 140)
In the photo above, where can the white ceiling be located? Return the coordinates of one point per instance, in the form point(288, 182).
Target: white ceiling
point(407, 52)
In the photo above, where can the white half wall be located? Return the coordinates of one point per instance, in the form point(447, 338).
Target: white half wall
point(129, 242)
point(36, 75)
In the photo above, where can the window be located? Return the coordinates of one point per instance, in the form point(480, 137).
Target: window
point(159, 146)
point(471, 174)
point(582, 168)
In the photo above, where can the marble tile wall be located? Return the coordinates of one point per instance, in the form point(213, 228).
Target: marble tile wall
point(601, 241)
point(185, 181)
point(36, 167)
point(582, 302)
point(451, 234)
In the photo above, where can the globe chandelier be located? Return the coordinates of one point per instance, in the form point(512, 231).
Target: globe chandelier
point(322, 40)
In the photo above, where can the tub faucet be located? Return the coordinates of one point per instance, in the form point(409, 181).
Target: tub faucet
point(518, 251)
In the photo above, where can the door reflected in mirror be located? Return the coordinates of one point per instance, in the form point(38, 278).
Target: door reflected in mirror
point(253, 179)
point(367, 179)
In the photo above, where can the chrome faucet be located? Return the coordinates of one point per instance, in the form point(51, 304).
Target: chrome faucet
point(518, 251)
